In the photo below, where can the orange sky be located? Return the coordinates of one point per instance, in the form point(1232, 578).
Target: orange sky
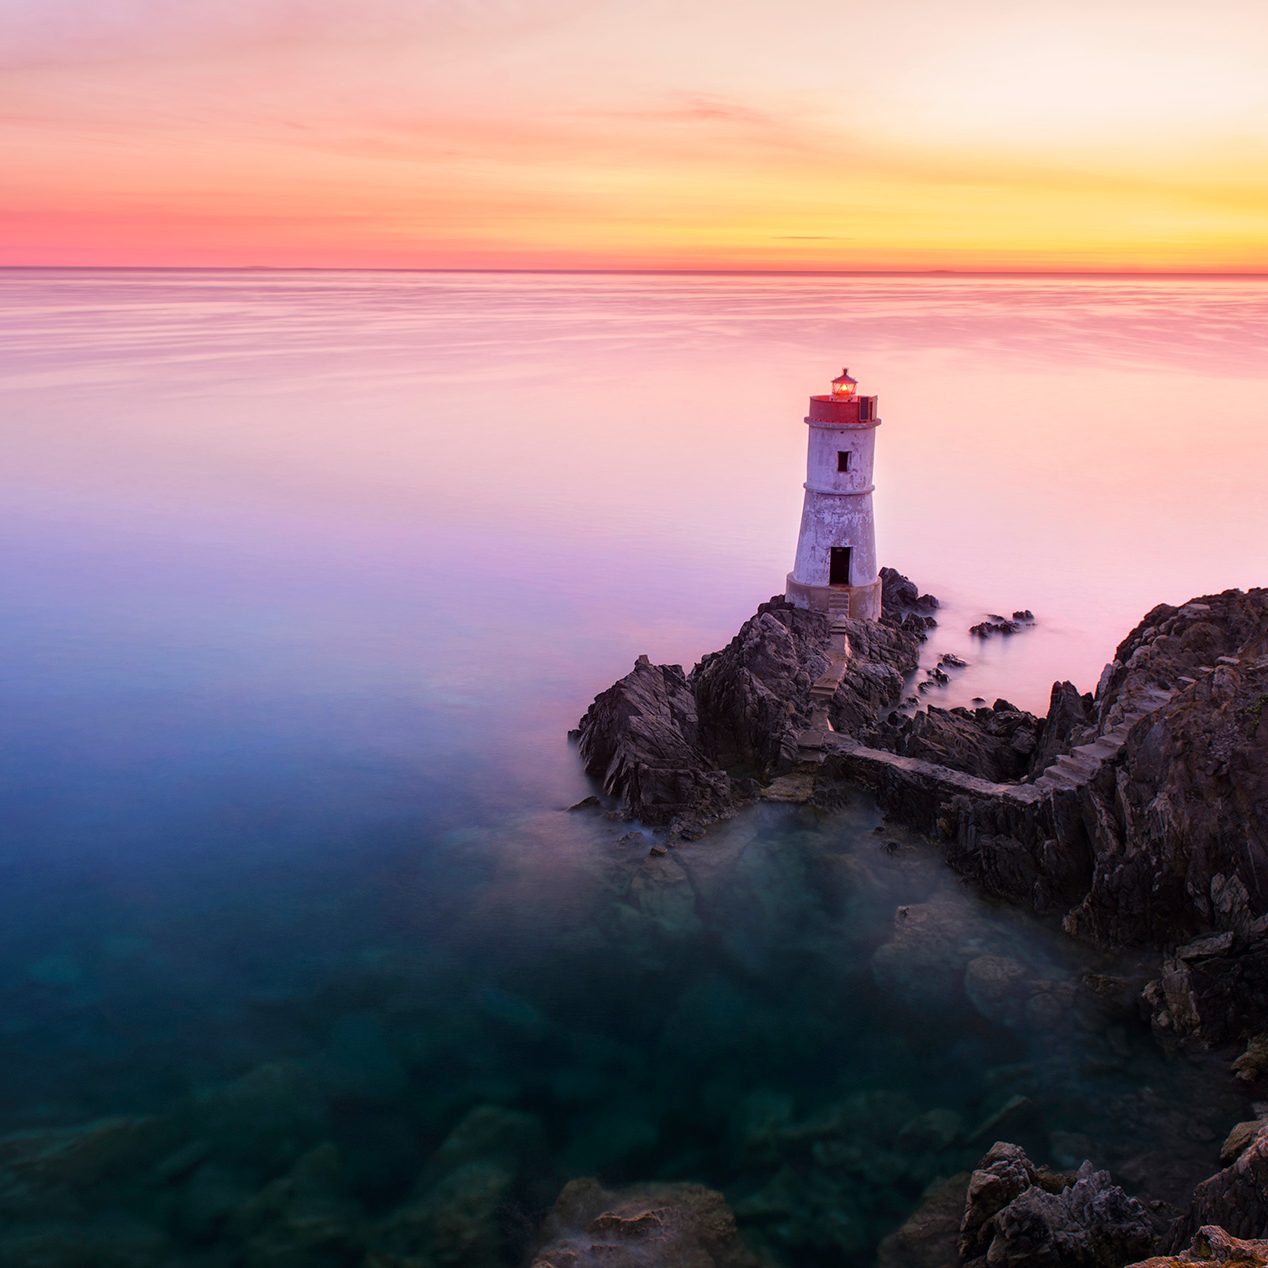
point(806, 134)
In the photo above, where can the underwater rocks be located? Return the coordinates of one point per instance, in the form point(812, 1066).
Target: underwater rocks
point(928, 1238)
point(1018, 1215)
point(683, 1225)
point(683, 750)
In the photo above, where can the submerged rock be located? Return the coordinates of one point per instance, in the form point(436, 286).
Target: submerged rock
point(684, 1225)
point(930, 1235)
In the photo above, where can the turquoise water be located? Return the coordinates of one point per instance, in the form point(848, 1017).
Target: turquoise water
point(307, 575)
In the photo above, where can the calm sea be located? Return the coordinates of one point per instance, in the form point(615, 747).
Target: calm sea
point(304, 578)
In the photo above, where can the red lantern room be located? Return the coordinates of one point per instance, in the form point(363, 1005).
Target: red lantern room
point(844, 387)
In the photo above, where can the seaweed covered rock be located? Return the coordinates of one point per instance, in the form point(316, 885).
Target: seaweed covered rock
point(685, 1225)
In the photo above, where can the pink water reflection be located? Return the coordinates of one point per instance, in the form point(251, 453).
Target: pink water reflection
point(565, 471)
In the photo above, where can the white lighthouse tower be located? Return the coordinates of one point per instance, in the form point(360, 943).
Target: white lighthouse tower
point(835, 570)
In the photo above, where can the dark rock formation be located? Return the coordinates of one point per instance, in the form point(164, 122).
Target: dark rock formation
point(900, 596)
point(1018, 1215)
point(995, 625)
point(996, 744)
point(1237, 1197)
point(1215, 986)
point(1166, 833)
point(684, 750)
point(685, 1225)
point(641, 740)
point(882, 654)
point(1068, 722)
point(753, 696)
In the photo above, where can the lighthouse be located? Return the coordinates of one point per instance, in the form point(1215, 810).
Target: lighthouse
point(835, 570)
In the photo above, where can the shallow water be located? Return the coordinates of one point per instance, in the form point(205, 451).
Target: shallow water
point(306, 577)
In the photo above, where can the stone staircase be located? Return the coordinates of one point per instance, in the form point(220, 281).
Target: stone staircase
point(825, 686)
point(1070, 772)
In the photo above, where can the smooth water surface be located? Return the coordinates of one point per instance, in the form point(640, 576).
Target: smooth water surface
point(305, 577)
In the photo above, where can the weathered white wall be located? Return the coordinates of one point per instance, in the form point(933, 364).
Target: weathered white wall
point(821, 458)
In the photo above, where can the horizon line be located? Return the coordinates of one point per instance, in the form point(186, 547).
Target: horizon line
point(628, 272)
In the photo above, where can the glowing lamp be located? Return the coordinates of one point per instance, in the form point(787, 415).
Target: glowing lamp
point(844, 387)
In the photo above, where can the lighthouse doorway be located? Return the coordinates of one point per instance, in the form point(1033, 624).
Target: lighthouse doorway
point(839, 566)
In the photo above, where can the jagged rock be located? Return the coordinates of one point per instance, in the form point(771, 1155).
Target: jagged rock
point(265, 1119)
point(882, 654)
point(1068, 722)
point(995, 744)
point(686, 749)
point(1237, 1198)
point(1018, 1215)
point(76, 1157)
point(685, 1225)
point(996, 625)
point(899, 595)
point(454, 1218)
point(1213, 1248)
point(1214, 987)
point(641, 740)
point(753, 696)
point(1168, 831)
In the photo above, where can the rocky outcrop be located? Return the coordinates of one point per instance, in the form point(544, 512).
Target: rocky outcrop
point(685, 1225)
point(996, 744)
point(1237, 1198)
point(1156, 823)
point(641, 740)
point(1068, 722)
point(1215, 986)
point(900, 596)
point(753, 697)
point(1018, 1215)
point(882, 654)
point(683, 750)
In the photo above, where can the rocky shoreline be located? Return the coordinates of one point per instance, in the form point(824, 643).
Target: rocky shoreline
point(1136, 815)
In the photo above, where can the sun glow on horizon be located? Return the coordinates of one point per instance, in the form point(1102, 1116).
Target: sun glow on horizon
point(561, 134)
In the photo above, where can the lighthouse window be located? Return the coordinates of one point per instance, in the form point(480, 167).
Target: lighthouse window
point(843, 459)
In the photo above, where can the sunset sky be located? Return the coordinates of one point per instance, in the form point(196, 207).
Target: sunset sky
point(805, 134)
